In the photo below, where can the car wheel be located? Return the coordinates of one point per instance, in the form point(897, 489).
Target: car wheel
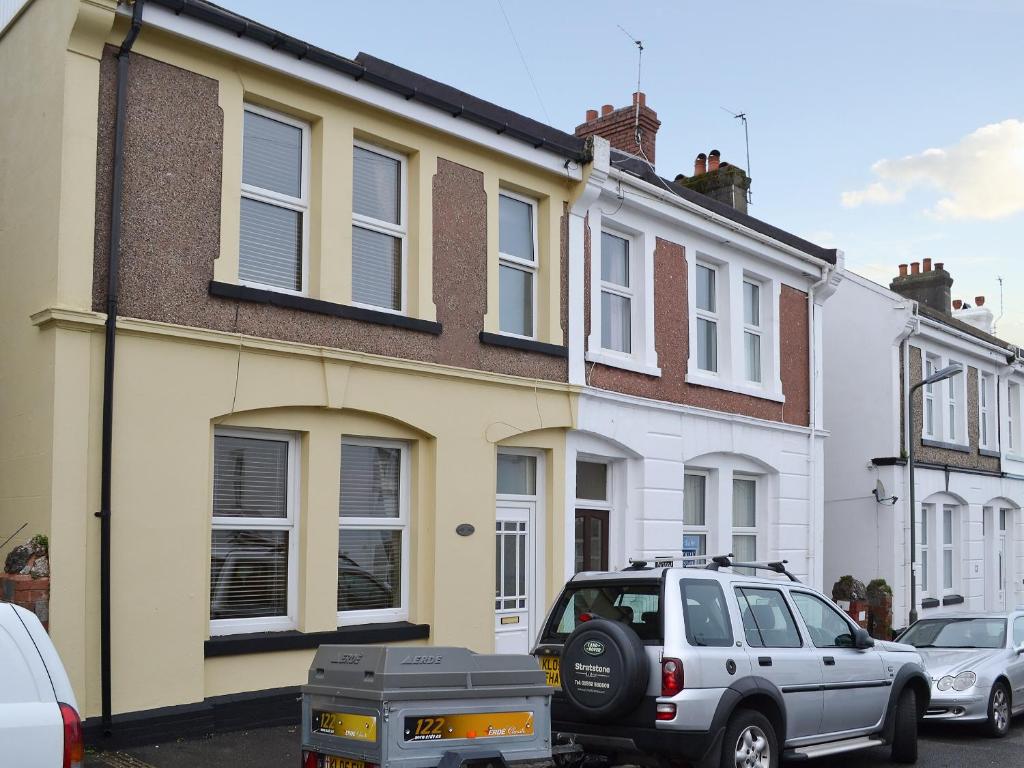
point(904, 737)
point(998, 711)
point(749, 742)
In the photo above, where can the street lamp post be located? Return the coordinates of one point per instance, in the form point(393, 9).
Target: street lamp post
point(948, 372)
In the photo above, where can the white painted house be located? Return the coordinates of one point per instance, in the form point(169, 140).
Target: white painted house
point(699, 426)
point(967, 435)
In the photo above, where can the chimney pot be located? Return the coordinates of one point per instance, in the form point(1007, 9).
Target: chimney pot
point(957, 303)
point(591, 115)
point(700, 165)
point(714, 159)
point(939, 266)
point(903, 270)
point(979, 301)
point(640, 98)
point(926, 265)
point(607, 109)
point(915, 267)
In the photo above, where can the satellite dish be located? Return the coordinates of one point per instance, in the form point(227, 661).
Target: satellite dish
point(880, 495)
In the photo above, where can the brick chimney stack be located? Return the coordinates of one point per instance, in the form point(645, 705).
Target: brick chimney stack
point(620, 126)
point(931, 286)
point(724, 182)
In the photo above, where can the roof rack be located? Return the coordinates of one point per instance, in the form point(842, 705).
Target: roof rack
point(725, 561)
point(686, 561)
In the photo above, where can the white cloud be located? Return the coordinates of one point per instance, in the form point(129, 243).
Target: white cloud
point(979, 177)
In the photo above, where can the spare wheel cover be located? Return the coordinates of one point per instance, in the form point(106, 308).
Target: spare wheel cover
point(604, 669)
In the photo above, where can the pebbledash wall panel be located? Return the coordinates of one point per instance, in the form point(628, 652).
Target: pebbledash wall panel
point(171, 236)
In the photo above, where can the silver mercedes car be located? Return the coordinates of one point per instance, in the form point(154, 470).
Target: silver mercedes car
point(976, 664)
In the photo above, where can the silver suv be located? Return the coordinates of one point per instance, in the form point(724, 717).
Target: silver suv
point(715, 666)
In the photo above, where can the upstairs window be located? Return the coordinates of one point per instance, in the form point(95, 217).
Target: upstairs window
point(707, 318)
point(274, 203)
point(616, 294)
point(1013, 437)
point(752, 331)
point(931, 364)
point(378, 228)
point(517, 265)
point(986, 414)
point(955, 389)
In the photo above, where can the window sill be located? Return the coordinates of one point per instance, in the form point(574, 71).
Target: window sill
point(705, 380)
point(958, 447)
point(952, 600)
point(266, 642)
point(306, 304)
point(623, 362)
point(930, 602)
point(527, 345)
point(990, 452)
point(1015, 457)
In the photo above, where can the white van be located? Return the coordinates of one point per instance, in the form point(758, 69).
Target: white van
point(39, 722)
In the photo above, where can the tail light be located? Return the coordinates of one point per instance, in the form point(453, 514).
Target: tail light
point(74, 749)
point(665, 712)
point(671, 677)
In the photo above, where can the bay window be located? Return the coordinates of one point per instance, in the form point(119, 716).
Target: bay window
point(378, 228)
point(695, 523)
point(948, 561)
point(274, 201)
point(517, 265)
point(253, 537)
point(744, 519)
point(373, 537)
point(926, 512)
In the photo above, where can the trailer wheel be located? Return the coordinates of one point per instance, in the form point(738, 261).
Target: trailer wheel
point(604, 669)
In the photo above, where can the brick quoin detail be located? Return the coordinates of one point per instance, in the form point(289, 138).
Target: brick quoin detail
point(671, 337)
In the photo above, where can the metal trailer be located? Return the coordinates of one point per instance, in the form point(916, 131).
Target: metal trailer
point(432, 707)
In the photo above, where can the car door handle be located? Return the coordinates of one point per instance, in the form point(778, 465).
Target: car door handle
point(830, 661)
point(764, 661)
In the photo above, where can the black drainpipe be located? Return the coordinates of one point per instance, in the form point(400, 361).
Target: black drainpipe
point(110, 338)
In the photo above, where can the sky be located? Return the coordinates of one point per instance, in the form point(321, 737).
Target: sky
point(890, 129)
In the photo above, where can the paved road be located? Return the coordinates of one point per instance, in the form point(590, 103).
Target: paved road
point(278, 748)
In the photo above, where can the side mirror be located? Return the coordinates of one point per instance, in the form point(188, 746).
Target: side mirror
point(862, 640)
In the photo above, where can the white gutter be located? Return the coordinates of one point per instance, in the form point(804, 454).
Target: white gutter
point(675, 200)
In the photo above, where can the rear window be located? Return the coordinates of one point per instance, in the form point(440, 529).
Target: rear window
point(705, 613)
point(636, 604)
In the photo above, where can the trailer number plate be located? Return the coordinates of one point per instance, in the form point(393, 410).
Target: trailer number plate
point(468, 726)
point(345, 725)
point(552, 666)
point(330, 761)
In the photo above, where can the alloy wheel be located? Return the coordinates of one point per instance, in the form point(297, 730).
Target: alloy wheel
point(1000, 709)
point(752, 749)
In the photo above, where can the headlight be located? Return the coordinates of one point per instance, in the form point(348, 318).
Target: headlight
point(964, 680)
point(945, 683)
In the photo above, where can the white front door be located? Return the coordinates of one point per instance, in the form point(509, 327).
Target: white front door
point(515, 576)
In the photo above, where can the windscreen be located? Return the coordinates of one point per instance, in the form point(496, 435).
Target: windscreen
point(957, 633)
point(636, 604)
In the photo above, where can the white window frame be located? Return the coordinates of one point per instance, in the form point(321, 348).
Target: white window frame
point(928, 428)
point(950, 546)
point(290, 524)
point(757, 330)
point(925, 558)
point(1013, 419)
point(399, 231)
point(714, 317)
point(299, 204)
point(626, 292)
point(699, 530)
point(754, 531)
point(955, 411)
point(533, 268)
point(986, 422)
point(400, 523)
